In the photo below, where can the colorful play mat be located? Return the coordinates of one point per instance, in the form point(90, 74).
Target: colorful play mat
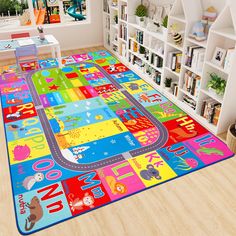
point(92, 133)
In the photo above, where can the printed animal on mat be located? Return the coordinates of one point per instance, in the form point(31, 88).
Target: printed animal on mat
point(36, 213)
point(186, 164)
point(210, 151)
point(182, 134)
point(14, 116)
point(143, 97)
point(78, 204)
point(133, 86)
point(21, 152)
point(116, 187)
point(150, 173)
point(15, 128)
point(30, 181)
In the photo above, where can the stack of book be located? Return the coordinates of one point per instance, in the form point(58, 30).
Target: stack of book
point(123, 13)
point(156, 60)
point(192, 83)
point(174, 61)
point(133, 45)
point(211, 110)
point(139, 36)
point(195, 58)
point(189, 101)
point(123, 31)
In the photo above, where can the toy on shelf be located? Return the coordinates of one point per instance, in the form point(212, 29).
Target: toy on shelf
point(176, 35)
point(209, 18)
point(201, 28)
point(198, 32)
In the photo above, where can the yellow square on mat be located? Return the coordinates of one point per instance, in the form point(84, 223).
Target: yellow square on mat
point(90, 133)
point(137, 86)
point(152, 169)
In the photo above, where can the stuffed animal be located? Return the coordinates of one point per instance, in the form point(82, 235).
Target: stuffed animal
point(198, 32)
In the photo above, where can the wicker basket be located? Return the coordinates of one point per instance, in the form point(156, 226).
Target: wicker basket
point(231, 139)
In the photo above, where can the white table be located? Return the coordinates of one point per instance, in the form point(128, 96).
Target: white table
point(51, 42)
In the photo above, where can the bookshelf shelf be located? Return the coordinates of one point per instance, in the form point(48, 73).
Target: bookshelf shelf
point(199, 43)
point(185, 13)
point(188, 94)
point(157, 35)
point(180, 18)
point(150, 49)
point(227, 32)
point(173, 72)
point(175, 46)
point(221, 69)
point(145, 61)
point(192, 70)
point(114, 8)
point(217, 98)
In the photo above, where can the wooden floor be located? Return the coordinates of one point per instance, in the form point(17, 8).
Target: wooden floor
point(201, 203)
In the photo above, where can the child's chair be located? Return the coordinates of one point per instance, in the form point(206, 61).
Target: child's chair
point(27, 58)
point(20, 35)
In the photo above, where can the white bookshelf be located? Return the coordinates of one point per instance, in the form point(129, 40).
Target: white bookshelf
point(185, 13)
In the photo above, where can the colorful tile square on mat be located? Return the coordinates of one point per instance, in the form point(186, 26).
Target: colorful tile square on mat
point(92, 133)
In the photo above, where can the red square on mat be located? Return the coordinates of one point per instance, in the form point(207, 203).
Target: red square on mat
point(88, 185)
point(72, 75)
point(182, 129)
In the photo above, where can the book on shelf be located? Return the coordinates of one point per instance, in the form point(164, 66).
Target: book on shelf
point(155, 60)
point(211, 110)
point(228, 59)
point(139, 36)
point(195, 56)
point(123, 31)
point(133, 46)
point(123, 14)
point(192, 83)
point(174, 61)
point(175, 89)
point(189, 101)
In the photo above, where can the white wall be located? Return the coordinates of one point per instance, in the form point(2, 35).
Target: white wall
point(76, 35)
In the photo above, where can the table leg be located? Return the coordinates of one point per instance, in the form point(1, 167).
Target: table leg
point(53, 52)
point(58, 51)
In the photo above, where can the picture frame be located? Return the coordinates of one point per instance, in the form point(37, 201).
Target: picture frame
point(158, 14)
point(219, 56)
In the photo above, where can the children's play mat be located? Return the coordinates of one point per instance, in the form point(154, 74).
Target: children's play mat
point(91, 133)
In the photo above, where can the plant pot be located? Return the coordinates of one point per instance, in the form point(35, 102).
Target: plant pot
point(214, 94)
point(141, 21)
point(168, 89)
point(231, 138)
point(164, 32)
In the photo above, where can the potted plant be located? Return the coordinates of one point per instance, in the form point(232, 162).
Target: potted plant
point(142, 50)
point(216, 85)
point(141, 14)
point(168, 82)
point(164, 26)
